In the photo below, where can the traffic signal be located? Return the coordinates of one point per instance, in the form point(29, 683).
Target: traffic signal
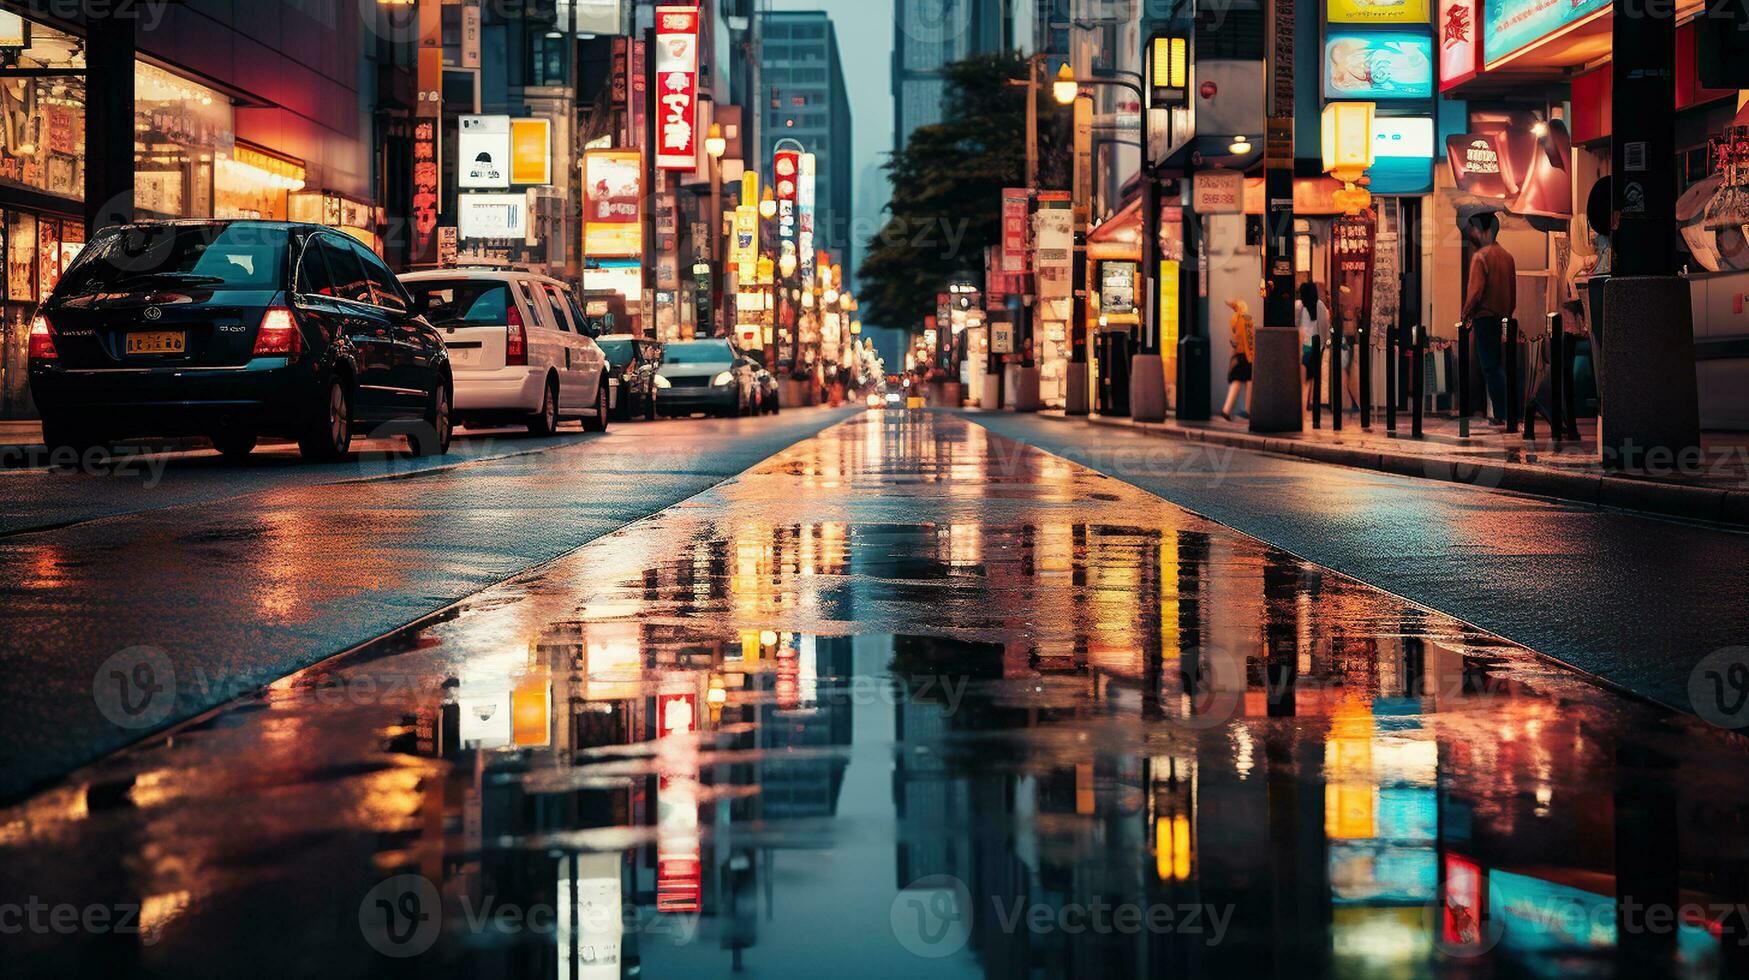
point(1722, 45)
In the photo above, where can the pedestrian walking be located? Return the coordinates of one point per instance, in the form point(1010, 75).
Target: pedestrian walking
point(1492, 295)
point(1243, 339)
point(1314, 321)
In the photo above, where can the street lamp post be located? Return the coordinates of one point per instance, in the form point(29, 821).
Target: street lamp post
point(714, 147)
point(1147, 372)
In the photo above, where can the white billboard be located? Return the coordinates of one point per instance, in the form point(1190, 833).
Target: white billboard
point(491, 215)
point(483, 152)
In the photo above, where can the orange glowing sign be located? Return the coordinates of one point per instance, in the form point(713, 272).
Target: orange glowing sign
point(531, 151)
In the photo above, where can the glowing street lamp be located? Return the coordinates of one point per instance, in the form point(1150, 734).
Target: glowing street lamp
point(1348, 150)
point(1065, 88)
point(714, 144)
point(768, 205)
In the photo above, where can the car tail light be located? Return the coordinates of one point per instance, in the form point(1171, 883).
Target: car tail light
point(515, 339)
point(42, 345)
point(278, 334)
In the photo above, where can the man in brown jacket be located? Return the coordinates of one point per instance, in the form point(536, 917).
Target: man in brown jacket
point(1493, 294)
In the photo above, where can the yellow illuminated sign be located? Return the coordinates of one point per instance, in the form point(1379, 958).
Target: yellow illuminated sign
point(1378, 12)
point(531, 151)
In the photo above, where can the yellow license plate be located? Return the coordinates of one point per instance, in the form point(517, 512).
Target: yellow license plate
point(157, 342)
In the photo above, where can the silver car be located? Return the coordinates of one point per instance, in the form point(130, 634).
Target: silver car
point(709, 376)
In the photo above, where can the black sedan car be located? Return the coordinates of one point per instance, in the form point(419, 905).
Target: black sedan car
point(235, 330)
point(634, 360)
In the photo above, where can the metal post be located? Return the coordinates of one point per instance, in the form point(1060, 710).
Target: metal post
point(1363, 350)
point(1417, 379)
point(1077, 380)
point(1392, 369)
point(1317, 381)
point(1557, 379)
point(1463, 369)
point(1514, 390)
point(1335, 371)
point(109, 121)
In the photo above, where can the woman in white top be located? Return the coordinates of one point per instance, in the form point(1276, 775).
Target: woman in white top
point(1314, 321)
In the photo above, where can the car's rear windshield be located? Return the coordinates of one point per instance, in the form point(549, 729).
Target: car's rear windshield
point(697, 352)
point(460, 302)
point(617, 351)
point(207, 256)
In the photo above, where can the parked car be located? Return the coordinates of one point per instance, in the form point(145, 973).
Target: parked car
point(710, 376)
point(770, 399)
point(235, 330)
point(521, 348)
point(632, 361)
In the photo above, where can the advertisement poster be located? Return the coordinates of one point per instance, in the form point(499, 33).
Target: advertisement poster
point(1459, 42)
point(1377, 12)
point(1014, 207)
point(612, 208)
point(1055, 235)
point(1378, 65)
point(1402, 155)
point(483, 152)
point(746, 244)
point(531, 151)
point(676, 87)
point(492, 215)
point(1117, 288)
point(1512, 24)
point(786, 167)
point(425, 192)
point(20, 257)
point(1218, 192)
point(1387, 286)
point(1351, 267)
point(805, 217)
point(1168, 294)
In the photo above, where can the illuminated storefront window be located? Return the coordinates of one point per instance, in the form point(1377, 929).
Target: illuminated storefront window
point(182, 129)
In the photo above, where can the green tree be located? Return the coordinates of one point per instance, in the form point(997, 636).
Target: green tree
point(947, 187)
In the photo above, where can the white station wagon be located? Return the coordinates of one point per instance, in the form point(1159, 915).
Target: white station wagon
point(519, 348)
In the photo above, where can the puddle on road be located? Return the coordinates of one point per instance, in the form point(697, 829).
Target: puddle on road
point(906, 700)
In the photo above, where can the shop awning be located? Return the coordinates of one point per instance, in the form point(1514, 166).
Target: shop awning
point(1120, 236)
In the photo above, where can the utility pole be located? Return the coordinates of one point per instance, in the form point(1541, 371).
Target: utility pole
point(109, 121)
point(1647, 383)
point(1275, 387)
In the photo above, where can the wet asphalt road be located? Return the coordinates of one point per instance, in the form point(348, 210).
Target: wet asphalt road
point(1639, 601)
point(908, 700)
point(227, 576)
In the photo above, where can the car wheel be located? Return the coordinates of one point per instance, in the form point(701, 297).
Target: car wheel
point(234, 444)
point(327, 434)
point(58, 435)
point(546, 422)
point(437, 428)
point(598, 421)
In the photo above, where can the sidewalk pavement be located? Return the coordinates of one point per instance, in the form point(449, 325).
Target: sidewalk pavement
point(1715, 488)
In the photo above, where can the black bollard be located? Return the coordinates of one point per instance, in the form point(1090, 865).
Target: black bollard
point(1463, 369)
point(1557, 381)
point(1392, 369)
point(1336, 373)
point(1317, 372)
point(1417, 379)
point(1363, 350)
point(1514, 391)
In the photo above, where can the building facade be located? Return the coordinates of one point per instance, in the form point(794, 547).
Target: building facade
point(929, 35)
point(806, 101)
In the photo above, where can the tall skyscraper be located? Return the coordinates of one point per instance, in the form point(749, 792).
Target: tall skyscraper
point(805, 100)
point(930, 34)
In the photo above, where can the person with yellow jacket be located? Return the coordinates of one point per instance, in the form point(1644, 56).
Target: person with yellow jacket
point(1243, 340)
